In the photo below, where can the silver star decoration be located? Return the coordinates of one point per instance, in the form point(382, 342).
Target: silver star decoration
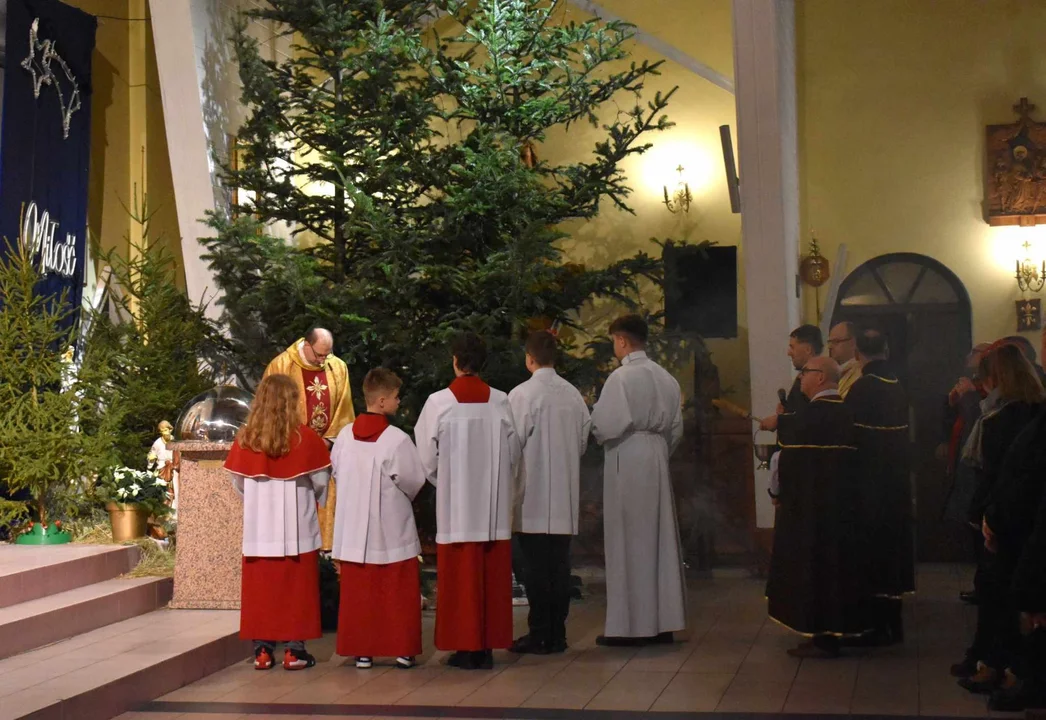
point(41, 74)
point(40, 69)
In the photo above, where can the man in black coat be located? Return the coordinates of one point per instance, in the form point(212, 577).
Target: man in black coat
point(804, 343)
point(880, 411)
point(815, 586)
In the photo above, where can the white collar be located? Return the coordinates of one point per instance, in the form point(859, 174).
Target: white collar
point(634, 357)
point(544, 372)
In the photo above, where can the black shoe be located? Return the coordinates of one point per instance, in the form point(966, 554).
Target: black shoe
point(964, 669)
point(870, 639)
point(665, 638)
point(1016, 700)
point(527, 645)
point(969, 597)
point(558, 646)
point(814, 651)
point(605, 641)
point(460, 659)
point(471, 659)
point(483, 660)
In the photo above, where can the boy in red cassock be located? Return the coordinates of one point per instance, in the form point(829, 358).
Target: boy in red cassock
point(378, 473)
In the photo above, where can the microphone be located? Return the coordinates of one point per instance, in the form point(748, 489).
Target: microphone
point(782, 396)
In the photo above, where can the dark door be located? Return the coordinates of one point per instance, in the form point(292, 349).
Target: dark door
point(924, 310)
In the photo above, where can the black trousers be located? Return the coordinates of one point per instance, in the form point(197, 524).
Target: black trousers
point(997, 641)
point(546, 577)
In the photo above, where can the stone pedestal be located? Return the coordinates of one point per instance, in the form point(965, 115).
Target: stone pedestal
point(210, 530)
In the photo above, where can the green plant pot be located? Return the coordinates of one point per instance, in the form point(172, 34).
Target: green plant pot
point(41, 535)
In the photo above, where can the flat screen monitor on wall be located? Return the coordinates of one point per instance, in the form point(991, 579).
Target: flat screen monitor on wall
point(701, 290)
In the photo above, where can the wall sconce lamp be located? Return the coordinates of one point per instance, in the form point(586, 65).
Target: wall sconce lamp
point(680, 198)
point(1030, 278)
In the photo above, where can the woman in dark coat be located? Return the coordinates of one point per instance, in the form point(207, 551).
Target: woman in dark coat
point(1015, 527)
point(1015, 397)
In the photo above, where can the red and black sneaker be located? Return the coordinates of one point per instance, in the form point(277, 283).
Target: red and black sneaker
point(297, 659)
point(262, 658)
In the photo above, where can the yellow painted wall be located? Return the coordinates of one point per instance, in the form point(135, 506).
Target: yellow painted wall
point(702, 29)
point(894, 96)
point(126, 115)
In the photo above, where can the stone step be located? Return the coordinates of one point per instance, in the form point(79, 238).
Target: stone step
point(45, 620)
point(30, 572)
point(106, 672)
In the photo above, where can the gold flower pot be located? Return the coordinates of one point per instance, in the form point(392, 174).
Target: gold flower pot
point(129, 522)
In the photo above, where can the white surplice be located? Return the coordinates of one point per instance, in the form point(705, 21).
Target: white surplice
point(639, 421)
point(279, 516)
point(374, 520)
point(553, 424)
point(469, 452)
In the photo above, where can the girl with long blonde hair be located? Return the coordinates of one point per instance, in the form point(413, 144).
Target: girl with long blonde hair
point(281, 468)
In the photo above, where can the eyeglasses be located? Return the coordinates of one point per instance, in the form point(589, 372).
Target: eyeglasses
point(837, 341)
point(810, 370)
point(319, 356)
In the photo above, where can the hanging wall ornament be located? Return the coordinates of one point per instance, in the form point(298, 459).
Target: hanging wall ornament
point(814, 268)
point(1029, 315)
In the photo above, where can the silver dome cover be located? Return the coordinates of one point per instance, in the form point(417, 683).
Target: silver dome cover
point(215, 415)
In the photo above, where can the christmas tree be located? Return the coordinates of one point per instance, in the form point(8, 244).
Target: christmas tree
point(409, 167)
point(43, 453)
point(153, 350)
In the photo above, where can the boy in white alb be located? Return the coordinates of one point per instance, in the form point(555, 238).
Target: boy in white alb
point(469, 450)
point(553, 424)
point(379, 473)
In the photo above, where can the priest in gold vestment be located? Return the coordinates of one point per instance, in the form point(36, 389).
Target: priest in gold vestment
point(326, 399)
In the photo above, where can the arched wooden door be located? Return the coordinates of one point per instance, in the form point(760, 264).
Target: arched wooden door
point(924, 310)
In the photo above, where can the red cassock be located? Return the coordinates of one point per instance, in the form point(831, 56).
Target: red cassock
point(280, 598)
point(380, 610)
point(474, 595)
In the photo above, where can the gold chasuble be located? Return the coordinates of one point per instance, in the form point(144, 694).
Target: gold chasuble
point(326, 407)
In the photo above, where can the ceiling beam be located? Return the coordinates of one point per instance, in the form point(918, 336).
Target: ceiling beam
point(671, 52)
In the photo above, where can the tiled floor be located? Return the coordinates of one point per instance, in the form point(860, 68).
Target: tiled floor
point(732, 659)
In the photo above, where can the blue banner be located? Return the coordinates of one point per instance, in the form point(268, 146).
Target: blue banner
point(45, 143)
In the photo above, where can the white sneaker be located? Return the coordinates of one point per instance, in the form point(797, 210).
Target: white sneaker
point(405, 662)
point(364, 663)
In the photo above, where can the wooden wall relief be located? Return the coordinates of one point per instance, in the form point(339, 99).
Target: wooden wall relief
point(1016, 170)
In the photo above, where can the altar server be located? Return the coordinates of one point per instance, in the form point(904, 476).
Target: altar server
point(638, 420)
point(469, 450)
point(553, 425)
point(375, 540)
point(281, 467)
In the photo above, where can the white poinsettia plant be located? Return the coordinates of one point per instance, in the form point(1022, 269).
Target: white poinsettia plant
point(136, 487)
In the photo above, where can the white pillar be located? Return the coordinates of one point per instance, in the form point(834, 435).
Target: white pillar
point(186, 140)
point(764, 78)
